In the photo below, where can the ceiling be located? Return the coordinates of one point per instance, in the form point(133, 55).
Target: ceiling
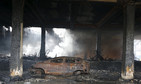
point(70, 13)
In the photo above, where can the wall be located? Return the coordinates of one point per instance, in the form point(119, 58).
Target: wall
point(111, 44)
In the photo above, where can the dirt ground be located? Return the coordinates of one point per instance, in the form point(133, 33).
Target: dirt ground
point(106, 72)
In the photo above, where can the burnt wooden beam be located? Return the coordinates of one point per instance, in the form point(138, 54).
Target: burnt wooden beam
point(138, 3)
point(108, 16)
point(128, 43)
point(42, 50)
point(113, 1)
point(110, 1)
point(16, 65)
point(85, 25)
point(100, 25)
point(35, 13)
point(98, 56)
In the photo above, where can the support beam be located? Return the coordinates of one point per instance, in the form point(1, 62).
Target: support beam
point(108, 16)
point(98, 56)
point(42, 51)
point(100, 25)
point(128, 43)
point(35, 11)
point(16, 65)
point(3, 32)
point(113, 1)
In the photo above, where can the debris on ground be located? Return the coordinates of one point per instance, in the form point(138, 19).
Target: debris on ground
point(108, 74)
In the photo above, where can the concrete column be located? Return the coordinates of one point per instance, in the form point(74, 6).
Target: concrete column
point(128, 43)
point(16, 65)
point(42, 51)
point(98, 46)
point(3, 32)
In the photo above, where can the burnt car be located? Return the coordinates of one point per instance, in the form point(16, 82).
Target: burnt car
point(61, 66)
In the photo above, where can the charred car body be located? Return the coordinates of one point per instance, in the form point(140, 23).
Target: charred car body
point(61, 66)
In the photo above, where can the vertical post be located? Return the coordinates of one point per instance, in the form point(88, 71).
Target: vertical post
point(3, 32)
point(16, 66)
point(98, 46)
point(128, 43)
point(42, 51)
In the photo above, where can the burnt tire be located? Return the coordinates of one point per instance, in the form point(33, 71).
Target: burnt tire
point(38, 73)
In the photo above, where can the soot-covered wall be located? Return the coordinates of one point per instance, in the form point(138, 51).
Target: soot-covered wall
point(111, 44)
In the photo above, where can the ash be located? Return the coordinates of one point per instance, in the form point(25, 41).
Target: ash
point(103, 72)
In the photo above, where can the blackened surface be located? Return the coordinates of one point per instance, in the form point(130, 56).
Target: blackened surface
point(17, 21)
point(42, 51)
point(128, 38)
point(98, 46)
point(100, 71)
point(106, 65)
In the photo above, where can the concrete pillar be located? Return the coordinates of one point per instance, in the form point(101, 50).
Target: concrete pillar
point(128, 43)
point(3, 32)
point(42, 50)
point(16, 66)
point(98, 46)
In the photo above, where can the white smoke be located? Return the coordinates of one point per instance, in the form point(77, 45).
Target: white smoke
point(32, 42)
point(137, 49)
point(67, 43)
point(65, 47)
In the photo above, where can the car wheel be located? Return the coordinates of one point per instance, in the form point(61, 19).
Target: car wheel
point(39, 73)
point(77, 73)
